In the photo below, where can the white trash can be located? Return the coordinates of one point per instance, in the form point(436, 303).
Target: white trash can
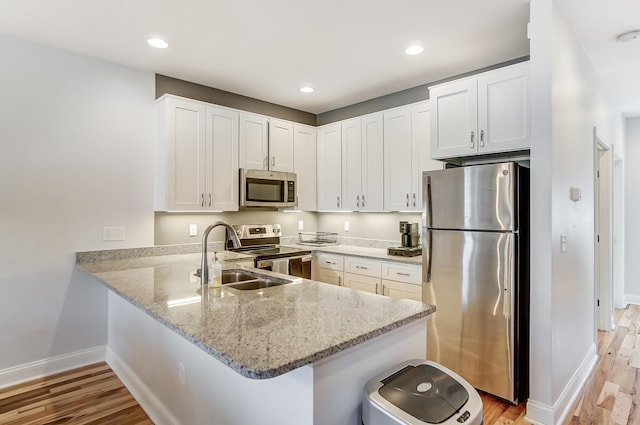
point(419, 392)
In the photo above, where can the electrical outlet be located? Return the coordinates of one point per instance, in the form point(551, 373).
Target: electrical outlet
point(113, 233)
point(182, 374)
point(300, 225)
point(346, 226)
point(193, 230)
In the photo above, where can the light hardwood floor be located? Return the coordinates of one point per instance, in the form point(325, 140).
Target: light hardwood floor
point(90, 395)
point(94, 395)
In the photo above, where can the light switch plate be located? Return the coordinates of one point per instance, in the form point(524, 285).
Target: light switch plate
point(113, 233)
point(346, 226)
point(193, 230)
point(300, 225)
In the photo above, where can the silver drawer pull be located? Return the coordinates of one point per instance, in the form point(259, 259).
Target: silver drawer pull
point(403, 274)
point(362, 267)
point(330, 262)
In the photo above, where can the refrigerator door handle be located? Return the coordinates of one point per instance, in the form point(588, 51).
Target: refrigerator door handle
point(428, 203)
point(428, 254)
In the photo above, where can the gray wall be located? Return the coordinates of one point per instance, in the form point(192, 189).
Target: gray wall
point(183, 88)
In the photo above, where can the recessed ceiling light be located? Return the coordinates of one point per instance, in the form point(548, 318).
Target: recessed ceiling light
point(629, 36)
point(306, 89)
point(414, 50)
point(158, 43)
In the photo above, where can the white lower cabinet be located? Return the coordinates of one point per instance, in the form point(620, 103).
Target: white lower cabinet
point(396, 280)
point(328, 268)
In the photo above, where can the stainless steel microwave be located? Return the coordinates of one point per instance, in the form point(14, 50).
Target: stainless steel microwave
point(261, 188)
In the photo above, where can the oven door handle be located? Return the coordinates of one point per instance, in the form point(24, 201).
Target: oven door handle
point(263, 264)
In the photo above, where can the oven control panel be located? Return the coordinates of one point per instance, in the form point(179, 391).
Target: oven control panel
point(258, 231)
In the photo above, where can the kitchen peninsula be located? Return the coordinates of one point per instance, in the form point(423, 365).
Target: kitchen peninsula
point(298, 353)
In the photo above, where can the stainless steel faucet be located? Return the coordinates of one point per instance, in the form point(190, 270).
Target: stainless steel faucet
point(204, 271)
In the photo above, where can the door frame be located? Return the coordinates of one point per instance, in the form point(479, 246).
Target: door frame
point(603, 230)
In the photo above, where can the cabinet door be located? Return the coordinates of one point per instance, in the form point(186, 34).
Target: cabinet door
point(454, 119)
point(304, 165)
point(401, 290)
point(503, 109)
point(329, 167)
point(222, 159)
point(421, 159)
point(186, 156)
point(372, 197)
point(333, 277)
point(253, 141)
point(351, 164)
point(397, 159)
point(280, 145)
point(362, 283)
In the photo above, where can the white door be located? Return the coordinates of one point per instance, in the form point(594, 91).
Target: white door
point(254, 139)
point(222, 159)
point(186, 184)
point(454, 119)
point(280, 145)
point(372, 197)
point(503, 110)
point(420, 151)
point(329, 167)
point(397, 159)
point(304, 165)
point(351, 164)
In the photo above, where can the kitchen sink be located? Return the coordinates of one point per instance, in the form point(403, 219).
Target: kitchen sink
point(246, 280)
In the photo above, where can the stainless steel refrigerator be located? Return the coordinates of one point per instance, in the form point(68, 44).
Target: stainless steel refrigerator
point(475, 269)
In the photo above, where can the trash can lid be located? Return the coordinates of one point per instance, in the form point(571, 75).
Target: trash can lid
point(425, 392)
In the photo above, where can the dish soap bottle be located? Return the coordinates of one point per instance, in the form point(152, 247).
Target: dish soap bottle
point(215, 271)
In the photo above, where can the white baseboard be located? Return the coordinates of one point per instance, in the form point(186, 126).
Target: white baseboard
point(145, 397)
point(45, 367)
point(631, 299)
point(542, 414)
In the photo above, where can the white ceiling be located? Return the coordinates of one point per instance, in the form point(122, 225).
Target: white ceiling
point(348, 50)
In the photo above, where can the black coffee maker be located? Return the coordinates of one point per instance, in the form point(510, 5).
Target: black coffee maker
point(409, 241)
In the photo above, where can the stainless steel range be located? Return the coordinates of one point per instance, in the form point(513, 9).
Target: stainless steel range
point(263, 242)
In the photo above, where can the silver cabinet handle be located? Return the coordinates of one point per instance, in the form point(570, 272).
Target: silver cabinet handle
point(330, 262)
point(403, 274)
point(202, 200)
point(209, 199)
point(377, 290)
point(358, 201)
point(338, 201)
point(385, 290)
point(482, 138)
point(407, 199)
point(362, 201)
point(339, 280)
point(362, 267)
point(273, 161)
point(414, 200)
point(472, 145)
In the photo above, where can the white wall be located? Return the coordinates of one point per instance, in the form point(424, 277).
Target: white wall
point(76, 154)
point(632, 211)
point(567, 103)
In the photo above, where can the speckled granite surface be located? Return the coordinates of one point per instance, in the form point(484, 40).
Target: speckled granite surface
point(260, 334)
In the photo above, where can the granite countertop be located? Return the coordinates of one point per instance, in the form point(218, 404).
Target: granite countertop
point(361, 251)
point(260, 334)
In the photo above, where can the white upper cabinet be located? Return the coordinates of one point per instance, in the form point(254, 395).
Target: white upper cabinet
point(487, 113)
point(265, 143)
point(329, 167)
point(197, 156)
point(406, 155)
point(280, 145)
point(304, 165)
point(254, 141)
point(372, 198)
point(351, 164)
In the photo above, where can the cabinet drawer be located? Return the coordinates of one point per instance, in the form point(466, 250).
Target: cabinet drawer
point(330, 261)
point(362, 266)
point(402, 272)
